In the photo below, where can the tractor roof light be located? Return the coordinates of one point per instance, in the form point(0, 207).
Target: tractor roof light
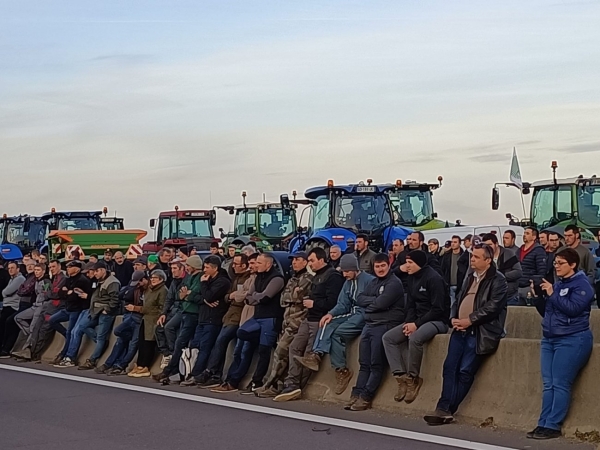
point(244, 194)
point(329, 183)
point(554, 165)
point(176, 208)
point(398, 183)
point(369, 181)
point(53, 210)
point(4, 216)
point(105, 210)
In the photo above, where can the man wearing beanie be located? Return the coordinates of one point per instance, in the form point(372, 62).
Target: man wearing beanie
point(344, 322)
point(383, 300)
point(427, 314)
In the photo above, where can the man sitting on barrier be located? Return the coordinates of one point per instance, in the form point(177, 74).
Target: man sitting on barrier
point(427, 315)
point(383, 301)
point(478, 318)
point(340, 325)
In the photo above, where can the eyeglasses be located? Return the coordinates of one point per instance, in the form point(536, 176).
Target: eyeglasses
point(557, 263)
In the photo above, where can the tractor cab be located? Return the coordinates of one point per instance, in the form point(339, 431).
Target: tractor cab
point(269, 225)
point(112, 223)
point(74, 220)
point(412, 204)
point(24, 231)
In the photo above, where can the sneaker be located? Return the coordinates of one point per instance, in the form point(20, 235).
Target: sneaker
point(532, 433)
point(210, 383)
point(160, 377)
point(65, 363)
point(142, 372)
point(188, 383)
point(361, 405)
point(413, 388)
point(439, 417)
point(402, 388)
point(342, 379)
point(249, 390)
point(165, 361)
point(547, 433)
point(351, 403)
point(115, 371)
point(4, 355)
point(267, 392)
point(224, 389)
point(288, 394)
point(88, 365)
point(102, 369)
point(133, 371)
point(310, 361)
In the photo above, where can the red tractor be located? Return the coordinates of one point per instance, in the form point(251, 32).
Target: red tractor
point(182, 228)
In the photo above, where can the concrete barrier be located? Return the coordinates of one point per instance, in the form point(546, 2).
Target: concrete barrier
point(508, 387)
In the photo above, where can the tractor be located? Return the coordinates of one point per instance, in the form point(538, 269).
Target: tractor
point(25, 232)
point(339, 213)
point(269, 225)
point(182, 228)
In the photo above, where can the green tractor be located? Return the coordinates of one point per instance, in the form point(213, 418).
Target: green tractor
point(557, 203)
point(270, 226)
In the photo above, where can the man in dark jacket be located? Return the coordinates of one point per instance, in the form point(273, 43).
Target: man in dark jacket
point(533, 264)
point(427, 315)
point(508, 264)
point(478, 320)
point(326, 286)
point(383, 300)
point(416, 241)
point(215, 284)
point(454, 267)
point(554, 245)
point(398, 255)
point(123, 269)
point(364, 254)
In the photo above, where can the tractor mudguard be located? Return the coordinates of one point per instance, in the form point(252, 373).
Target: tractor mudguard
point(333, 236)
point(392, 233)
point(10, 252)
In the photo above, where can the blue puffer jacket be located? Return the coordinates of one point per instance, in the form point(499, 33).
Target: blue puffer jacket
point(567, 310)
point(533, 265)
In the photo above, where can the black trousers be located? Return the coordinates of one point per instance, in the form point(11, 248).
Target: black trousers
point(10, 329)
point(146, 350)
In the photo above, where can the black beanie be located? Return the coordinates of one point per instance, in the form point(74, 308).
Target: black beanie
point(418, 257)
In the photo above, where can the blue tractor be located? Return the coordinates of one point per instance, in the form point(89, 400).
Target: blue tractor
point(23, 233)
point(339, 213)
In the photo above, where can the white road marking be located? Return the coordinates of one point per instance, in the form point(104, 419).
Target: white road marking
point(369, 428)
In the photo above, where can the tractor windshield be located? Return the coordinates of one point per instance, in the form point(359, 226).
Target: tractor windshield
point(361, 212)
point(274, 223)
point(16, 235)
point(551, 205)
point(245, 222)
point(78, 223)
point(2, 228)
point(411, 207)
point(588, 204)
point(191, 228)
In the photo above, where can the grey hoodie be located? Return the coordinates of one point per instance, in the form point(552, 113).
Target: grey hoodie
point(9, 293)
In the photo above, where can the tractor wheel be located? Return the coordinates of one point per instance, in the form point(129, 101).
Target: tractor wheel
point(318, 244)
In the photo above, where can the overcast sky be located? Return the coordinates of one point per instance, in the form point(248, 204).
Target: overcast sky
point(142, 105)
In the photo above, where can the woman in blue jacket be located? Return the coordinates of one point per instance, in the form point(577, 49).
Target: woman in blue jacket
point(567, 342)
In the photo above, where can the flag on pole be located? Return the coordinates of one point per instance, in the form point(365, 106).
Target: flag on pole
point(515, 171)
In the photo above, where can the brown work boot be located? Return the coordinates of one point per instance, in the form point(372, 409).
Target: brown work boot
point(310, 361)
point(352, 401)
point(361, 405)
point(413, 388)
point(402, 388)
point(342, 379)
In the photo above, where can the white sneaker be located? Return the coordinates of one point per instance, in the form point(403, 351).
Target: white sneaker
point(165, 361)
point(65, 363)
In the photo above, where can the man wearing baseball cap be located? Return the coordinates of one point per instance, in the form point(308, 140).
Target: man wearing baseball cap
point(341, 324)
point(427, 315)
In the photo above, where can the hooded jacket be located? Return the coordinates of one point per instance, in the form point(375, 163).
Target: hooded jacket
point(567, 310)
point(73, 302)
point(383, 301)
point(346, 302)
point(236, 299)
point(10, 292)
point(326, 286)
point(214, 291)
point(533, 265)
point(428, 299)
point(105, 297)
point(191, 304)
point(489, 309)
point(400, 260)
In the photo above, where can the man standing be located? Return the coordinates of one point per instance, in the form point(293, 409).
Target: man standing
point(140, 263)
point(383, 300)
point(335, 254)
point(509, 239)
point(416, 241)
point(292, 298)
point(427, 315)
point(398, 259)
point(123, 269)
point(544, 239)
point(364, 254)
point(108, 260)
point(433, 245)
point(478, 320)
point(170, 320)
point(586, 260)
point(164, 260)
point(454, 268)
point(508, 264)
point(533, 264)
point(326, 286)
point(344, 322)
point(554, 245)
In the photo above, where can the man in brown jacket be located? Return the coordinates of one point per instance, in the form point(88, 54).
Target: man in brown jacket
point(236, 297)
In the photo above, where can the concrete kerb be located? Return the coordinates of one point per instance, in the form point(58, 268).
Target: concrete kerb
point(508, 387)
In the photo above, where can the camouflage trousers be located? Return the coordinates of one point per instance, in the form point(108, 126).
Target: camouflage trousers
point(292, 318)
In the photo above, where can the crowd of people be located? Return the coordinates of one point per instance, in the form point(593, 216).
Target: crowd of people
point(189, 309)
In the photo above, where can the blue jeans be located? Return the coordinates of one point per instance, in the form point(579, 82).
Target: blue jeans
point(189, 322)
point(128, 333)
point(204, 340)
point(87, 325)
point(372, 360)
point(267, 340)
point(460, 367)
point(333, 338)
point(219, 352)
point(562, 360)
point(55, 323)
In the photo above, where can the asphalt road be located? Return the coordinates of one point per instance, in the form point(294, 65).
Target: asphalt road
point(38, 412)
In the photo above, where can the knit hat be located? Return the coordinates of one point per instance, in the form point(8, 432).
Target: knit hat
point(419, 257)
point(195, 262)
point(349, 263)
point(153, 259)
